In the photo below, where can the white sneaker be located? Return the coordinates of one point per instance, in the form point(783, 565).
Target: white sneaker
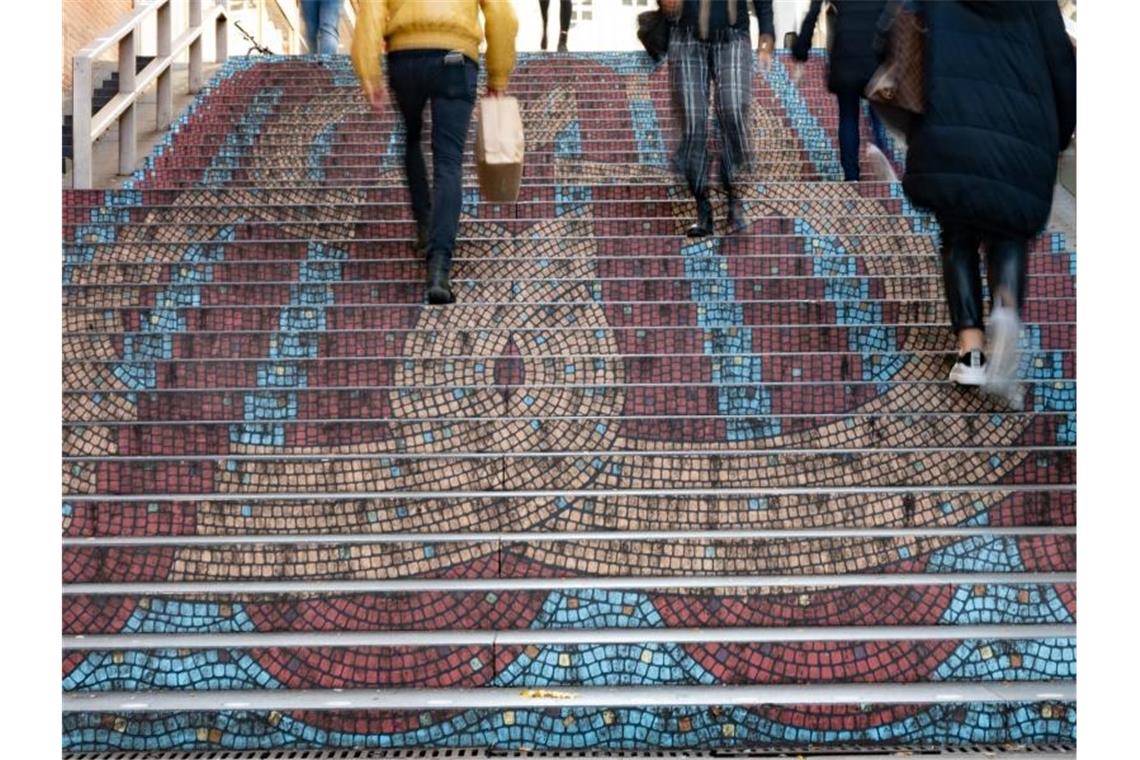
point(970, 369)
point(1002, 334)
point(881, 165)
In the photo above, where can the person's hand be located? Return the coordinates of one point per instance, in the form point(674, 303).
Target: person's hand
point(764, 52)
point(376, 93)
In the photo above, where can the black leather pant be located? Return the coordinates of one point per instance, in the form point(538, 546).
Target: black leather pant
point(1005, 270)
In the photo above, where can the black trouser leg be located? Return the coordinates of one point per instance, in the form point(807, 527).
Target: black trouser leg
point(849, 134)
point(1006, 264)
point(961, 276)
point(564, 12)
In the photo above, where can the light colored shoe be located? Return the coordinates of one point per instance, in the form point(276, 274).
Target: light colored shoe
point(881, 165)
point(1002, 335)
point(969, 369)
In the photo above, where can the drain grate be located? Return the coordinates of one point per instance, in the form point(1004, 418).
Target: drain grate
point(799, 753)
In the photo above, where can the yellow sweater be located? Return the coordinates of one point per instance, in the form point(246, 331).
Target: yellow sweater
point(435, 25)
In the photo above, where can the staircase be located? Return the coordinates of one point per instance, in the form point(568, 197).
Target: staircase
point(631, 492)
point(106, 90)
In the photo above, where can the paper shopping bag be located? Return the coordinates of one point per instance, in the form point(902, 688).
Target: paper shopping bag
point(499, 148)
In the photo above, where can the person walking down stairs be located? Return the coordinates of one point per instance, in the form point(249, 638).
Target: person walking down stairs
point(710, 42)
point(851, 63)
point(322, 25)
point(565, 10)
point(1001, 93)
point(432, 57)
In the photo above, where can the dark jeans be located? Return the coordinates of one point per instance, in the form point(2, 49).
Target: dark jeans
point(416, 77)
point(1006, 262)
point(849, 106)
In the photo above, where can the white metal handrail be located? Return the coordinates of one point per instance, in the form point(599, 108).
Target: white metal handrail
point(87, 127)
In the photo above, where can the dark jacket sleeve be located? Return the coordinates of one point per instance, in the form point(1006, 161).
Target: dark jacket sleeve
point(1062, 60)
point(763, 10)
point(807, 31)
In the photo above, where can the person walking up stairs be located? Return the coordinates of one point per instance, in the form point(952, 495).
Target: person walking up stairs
point(432, 56)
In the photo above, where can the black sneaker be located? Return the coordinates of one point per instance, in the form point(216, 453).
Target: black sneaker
point(704, 225)
point(737, 222)
point(439, 284)
point(970, 369)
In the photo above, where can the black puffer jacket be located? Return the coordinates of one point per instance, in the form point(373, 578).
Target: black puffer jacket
point(1001, 97)
point(852, 58)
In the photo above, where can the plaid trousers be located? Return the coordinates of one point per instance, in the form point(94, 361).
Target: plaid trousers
point(693, 64)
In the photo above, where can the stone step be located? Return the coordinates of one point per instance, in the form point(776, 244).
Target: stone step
point(263, 476)
point(807, 513)
point(580, 657)
point(930, 601)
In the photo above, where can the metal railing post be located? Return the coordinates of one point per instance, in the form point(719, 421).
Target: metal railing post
point(81, 95)
point(221, 39)
point(127, 122)
point(164, 102)
point(194, 21)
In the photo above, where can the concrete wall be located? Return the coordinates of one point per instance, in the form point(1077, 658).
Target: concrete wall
point(83, 21)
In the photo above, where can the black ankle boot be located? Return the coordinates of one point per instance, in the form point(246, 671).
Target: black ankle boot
point(439, 282)
point(562, 43)
point(736, 219)
point(704, 225)
point(543, 43)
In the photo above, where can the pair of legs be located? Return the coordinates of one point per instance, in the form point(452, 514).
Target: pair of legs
point(1006, 265)
point(447, 81)
point(566, 7)
point(850, 103)
point(693, 65)
point(322, 25)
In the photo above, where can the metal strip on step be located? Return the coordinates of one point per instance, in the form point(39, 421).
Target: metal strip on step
point(229, 496)
point(400, 456)
point(902, 303)
point(491, 357)
point(775, 534)
point(629, 696)
point(576, 636)
point(444, 330)
point(499, 584)
point(908, 416)
point(938, 383)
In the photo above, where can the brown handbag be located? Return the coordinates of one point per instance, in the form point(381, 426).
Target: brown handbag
point(897, 89)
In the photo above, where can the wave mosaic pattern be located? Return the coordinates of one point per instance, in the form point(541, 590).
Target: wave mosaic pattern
point(620, 427)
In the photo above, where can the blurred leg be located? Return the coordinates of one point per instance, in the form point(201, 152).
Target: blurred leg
point(311, 21)
point(689, 74)
point(849, 134)
point(328, 32)
point(733, 74)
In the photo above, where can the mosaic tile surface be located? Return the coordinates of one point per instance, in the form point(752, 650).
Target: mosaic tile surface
point(245, 318)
